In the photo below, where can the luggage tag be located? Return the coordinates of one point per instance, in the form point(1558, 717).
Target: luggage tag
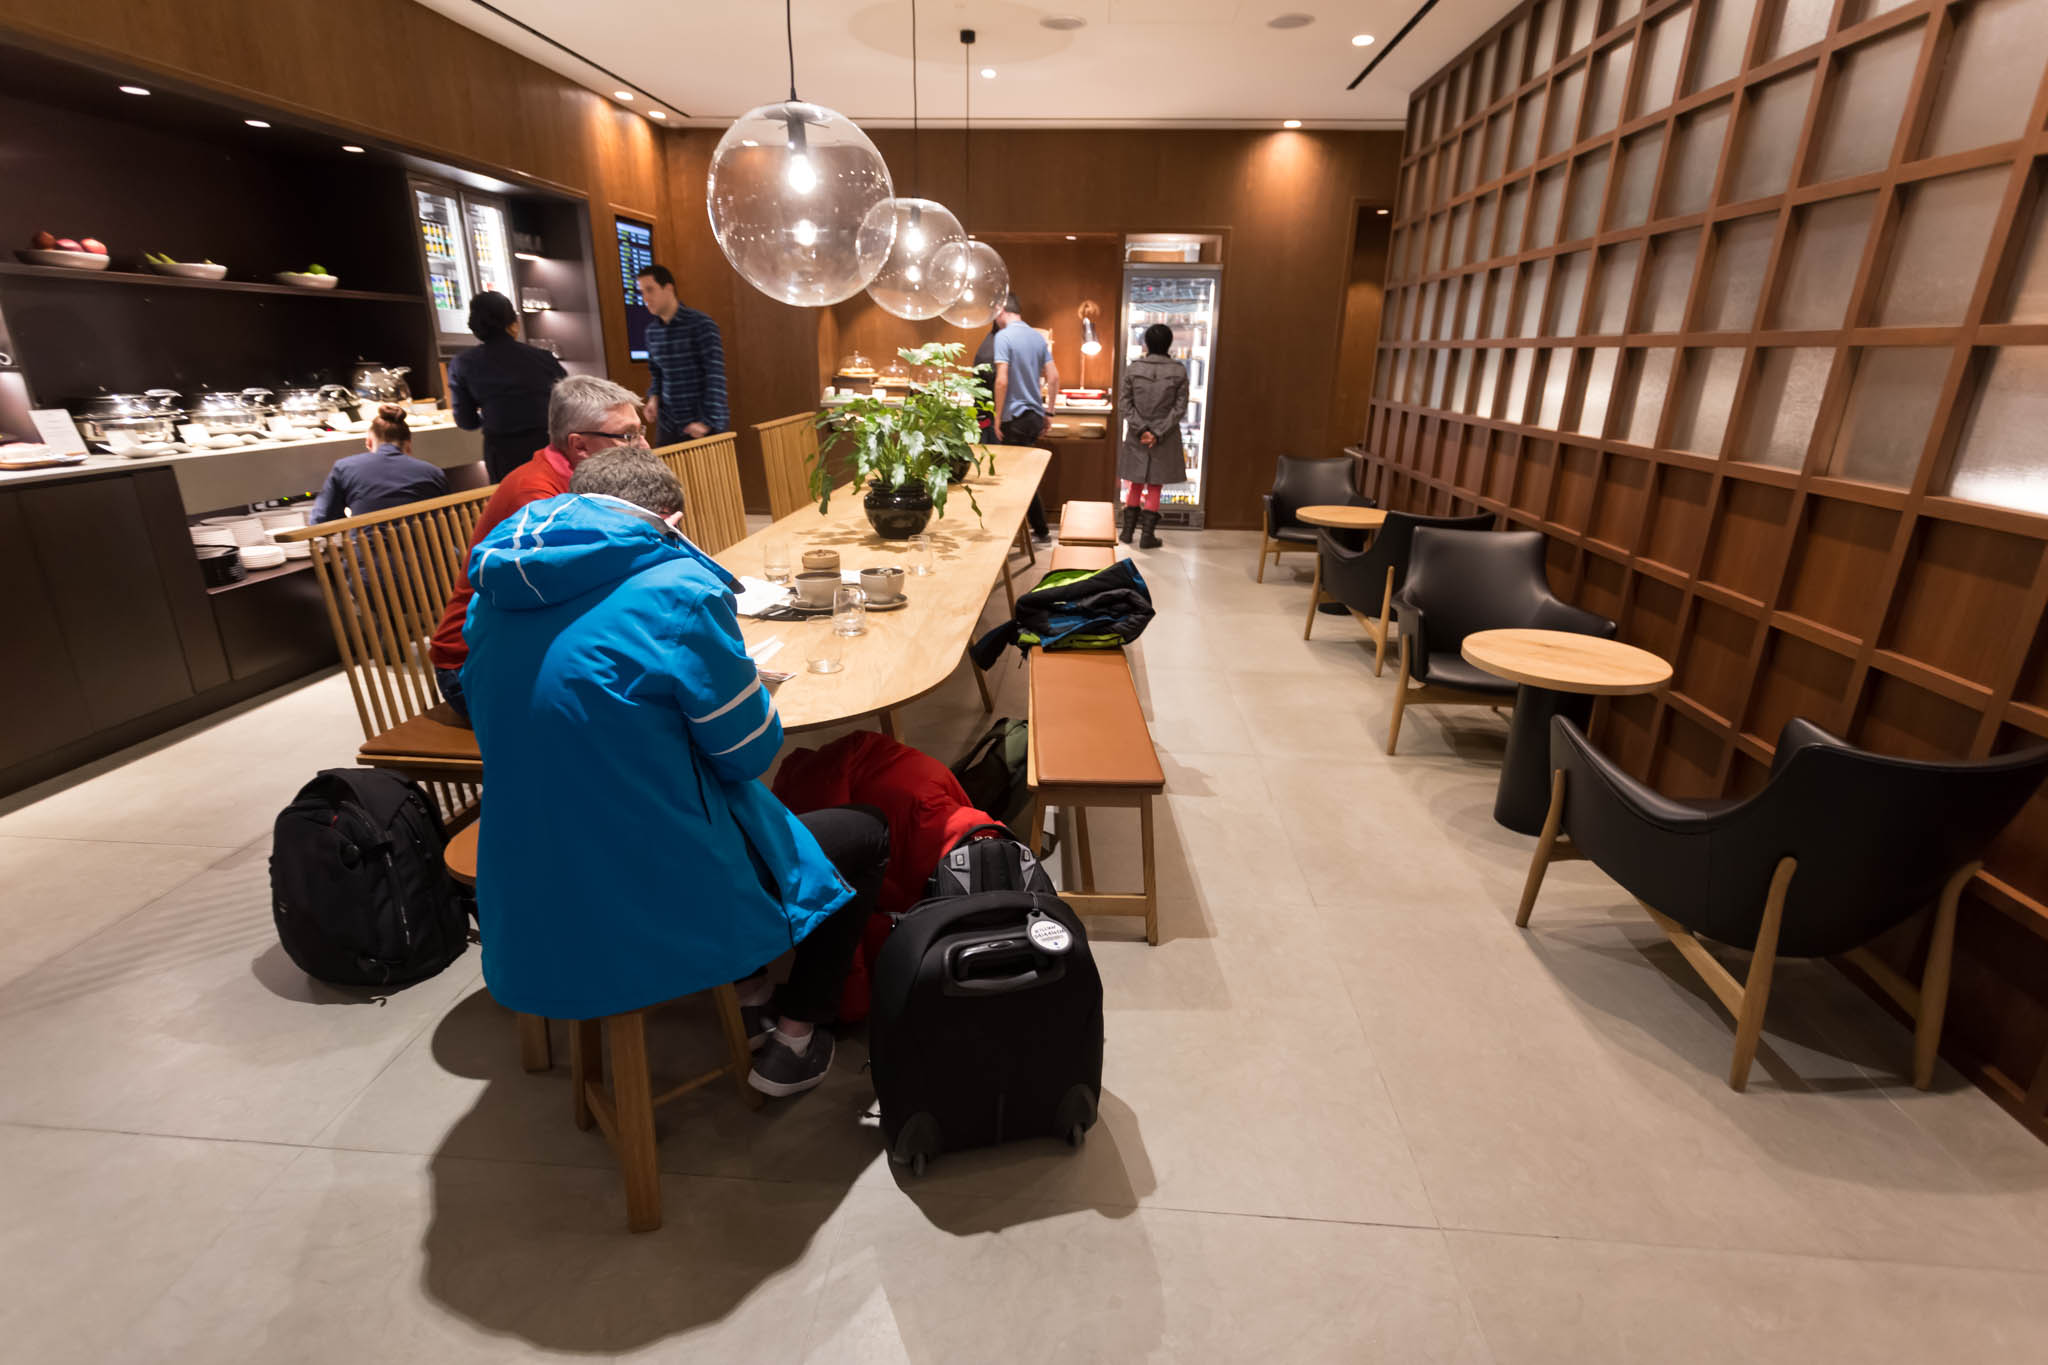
point(1047, 934)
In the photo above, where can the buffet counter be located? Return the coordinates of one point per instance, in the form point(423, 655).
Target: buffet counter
point(212, 479)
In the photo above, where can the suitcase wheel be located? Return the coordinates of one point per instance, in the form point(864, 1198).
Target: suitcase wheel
point(917, 1165)
point(1076, 1135)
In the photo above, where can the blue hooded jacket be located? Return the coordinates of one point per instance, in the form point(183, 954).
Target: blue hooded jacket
point(629, 855)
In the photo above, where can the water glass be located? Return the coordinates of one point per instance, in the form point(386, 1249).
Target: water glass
point(823, 651)
point(775, 559)
point(920, 556)
point(849, 610)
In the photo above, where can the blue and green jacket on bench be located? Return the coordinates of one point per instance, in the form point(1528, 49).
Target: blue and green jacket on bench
point(1074, 609)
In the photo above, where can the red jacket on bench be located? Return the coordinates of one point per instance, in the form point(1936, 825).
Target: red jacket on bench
point(927, 812)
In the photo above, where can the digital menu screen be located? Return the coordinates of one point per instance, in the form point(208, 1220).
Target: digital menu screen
point(636, 253)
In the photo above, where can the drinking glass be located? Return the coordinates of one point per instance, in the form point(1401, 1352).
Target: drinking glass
point(920, 555)
point(823, 651)
point(849, 610)
point(775, 559)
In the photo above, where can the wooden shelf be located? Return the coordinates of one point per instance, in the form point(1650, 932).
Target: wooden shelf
point(131, 277)
point(254, 576)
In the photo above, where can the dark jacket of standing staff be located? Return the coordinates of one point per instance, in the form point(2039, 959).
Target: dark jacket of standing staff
point(502, 386)
point(383, 476)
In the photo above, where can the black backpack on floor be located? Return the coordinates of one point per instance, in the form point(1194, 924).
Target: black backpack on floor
point(987, 1010)
point(357, 886)
point(996, 772)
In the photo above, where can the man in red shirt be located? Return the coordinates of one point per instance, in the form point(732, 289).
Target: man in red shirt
point(585, 415)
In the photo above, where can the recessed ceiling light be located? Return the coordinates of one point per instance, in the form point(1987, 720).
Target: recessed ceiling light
point(528, 256)
point(1361, 40)
point(622, 94)
point(1381, 212)
point(256, 123)
point(1063, 23)
point(1292, 123)
point(133, 90)
point(350, 147)
point(1290, 20)
point(657, 113)
point(988, 73)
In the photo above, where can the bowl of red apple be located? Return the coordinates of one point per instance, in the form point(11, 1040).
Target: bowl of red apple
point(74, 253)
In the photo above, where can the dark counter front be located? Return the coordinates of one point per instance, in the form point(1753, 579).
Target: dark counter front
point(111, 634)
point(1083, 466)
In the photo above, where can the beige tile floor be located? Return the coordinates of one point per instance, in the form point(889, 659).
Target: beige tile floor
point(1351, 1113)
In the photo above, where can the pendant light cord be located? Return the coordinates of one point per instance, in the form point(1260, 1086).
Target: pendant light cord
point(916, 179)
point(967, 126)
point(789, 35)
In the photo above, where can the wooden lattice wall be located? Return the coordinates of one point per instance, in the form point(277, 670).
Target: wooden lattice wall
point(1745, 304)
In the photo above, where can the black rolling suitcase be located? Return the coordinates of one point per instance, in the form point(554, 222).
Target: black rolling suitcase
point(987, 1013)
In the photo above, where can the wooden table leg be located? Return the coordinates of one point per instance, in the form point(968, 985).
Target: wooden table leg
point(885, 721)
point(1009, 588)
point(988, 702)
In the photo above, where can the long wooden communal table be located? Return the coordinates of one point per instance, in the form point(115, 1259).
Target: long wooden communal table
point(909, 652)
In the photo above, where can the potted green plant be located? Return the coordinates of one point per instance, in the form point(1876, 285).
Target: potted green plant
point(905, 454)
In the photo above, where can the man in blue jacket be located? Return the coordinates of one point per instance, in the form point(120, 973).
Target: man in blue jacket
point(630, 856)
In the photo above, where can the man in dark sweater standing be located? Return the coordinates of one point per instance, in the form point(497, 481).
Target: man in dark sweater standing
point(687, 359)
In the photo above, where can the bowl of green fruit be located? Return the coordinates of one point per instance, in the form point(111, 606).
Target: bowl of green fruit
point(189, 270)
point(312, 277)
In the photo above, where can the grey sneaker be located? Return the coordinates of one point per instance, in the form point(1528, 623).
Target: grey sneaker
point(779, 1071)
point(757, 1020)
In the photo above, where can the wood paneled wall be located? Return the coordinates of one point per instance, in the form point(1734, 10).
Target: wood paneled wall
point(1287, 202)
point(399, 73)
point(1746, 306)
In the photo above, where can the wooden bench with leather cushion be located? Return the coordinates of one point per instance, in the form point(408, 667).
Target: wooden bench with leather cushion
point(1088, 523)
point(1089, 746)
point(1093, 558)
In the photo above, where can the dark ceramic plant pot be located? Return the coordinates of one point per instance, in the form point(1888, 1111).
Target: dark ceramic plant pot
point(898, 513)
point(958, 468)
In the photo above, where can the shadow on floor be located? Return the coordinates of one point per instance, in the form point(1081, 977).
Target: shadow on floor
point(528, 1235)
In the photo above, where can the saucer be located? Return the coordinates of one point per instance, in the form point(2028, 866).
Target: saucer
point(896, 603)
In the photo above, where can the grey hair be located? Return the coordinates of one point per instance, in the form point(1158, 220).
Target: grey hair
point(581, 403)
point(631, 473)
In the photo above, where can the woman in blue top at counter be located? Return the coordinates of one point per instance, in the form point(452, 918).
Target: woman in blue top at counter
point(502, 386)
point(384, 476)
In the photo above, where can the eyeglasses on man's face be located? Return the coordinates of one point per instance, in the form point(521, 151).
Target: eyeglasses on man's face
point(623, 435)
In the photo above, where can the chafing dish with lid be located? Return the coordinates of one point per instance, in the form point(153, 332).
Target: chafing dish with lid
point(124, 419)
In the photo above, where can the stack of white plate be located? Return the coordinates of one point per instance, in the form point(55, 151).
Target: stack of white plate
point(212, 535)
point(247, 530)
point(262, 556)
point(290, 519)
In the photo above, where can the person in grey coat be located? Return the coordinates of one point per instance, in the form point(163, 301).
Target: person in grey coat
point(1154, 397)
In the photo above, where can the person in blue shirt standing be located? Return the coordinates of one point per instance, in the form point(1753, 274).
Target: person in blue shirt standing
point(687, 361)
point(384, 476)
point(629, 855)
point(502, 386)
point(1024, 365)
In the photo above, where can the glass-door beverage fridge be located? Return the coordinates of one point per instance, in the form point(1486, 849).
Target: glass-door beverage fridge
point(1187, 299)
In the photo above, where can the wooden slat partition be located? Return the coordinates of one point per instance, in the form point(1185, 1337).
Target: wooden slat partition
point(1745, 304)
point(789, 447)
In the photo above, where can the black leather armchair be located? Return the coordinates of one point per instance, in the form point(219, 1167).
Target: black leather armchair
point(1304, 483)
point(1840, 846)
point(1462, 582)
point(1366, 580)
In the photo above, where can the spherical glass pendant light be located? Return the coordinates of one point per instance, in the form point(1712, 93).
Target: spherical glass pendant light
point(792, 197)
point(910, 285)
point(982, 277)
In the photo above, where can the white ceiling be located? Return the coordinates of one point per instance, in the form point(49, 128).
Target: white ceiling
point(1135, 63)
